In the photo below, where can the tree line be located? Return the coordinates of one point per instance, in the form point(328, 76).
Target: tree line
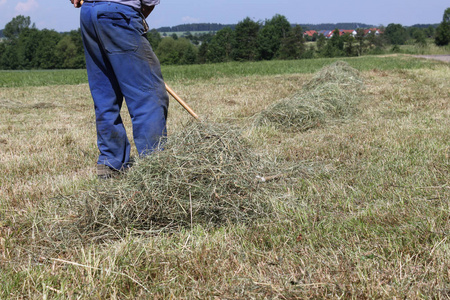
point(25, 47)
point(194, 27)
point(213, 27)
point(276, 38)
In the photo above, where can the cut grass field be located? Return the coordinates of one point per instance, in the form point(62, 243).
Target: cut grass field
point(369, 219)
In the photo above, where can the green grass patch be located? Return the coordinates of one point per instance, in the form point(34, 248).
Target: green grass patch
point(190, 73)
point(280, 67)
point(429, 49)
point(42, 77)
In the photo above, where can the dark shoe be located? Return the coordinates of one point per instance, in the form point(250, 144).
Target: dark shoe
point(106, 172)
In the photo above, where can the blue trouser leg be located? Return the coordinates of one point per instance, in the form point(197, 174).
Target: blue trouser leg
point(120, 63)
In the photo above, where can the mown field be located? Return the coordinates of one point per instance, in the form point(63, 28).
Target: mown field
point(368, 218)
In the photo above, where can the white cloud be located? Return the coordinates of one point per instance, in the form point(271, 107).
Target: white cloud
point(188, 20)
point(26, 6)
point(2, 2)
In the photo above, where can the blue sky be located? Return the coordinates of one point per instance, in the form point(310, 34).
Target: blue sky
point(61, 16)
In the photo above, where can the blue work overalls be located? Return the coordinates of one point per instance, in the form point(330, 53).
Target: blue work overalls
point(121, 64)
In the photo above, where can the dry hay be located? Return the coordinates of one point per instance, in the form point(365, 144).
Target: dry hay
point(205, 175)
point(340, 73)
point(6, 103)
point(331, 94)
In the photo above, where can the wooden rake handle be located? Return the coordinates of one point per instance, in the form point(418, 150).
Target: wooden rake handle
point(184, 104)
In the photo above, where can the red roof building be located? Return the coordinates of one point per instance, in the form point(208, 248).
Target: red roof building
point(329, 33)
point(310, 33)
point(349, 32)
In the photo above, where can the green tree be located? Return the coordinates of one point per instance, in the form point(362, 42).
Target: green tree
point(281, 25)
point(75, 35)
point(360, 41)
point(189, 55)
point(9, 59)
point(375, 41)
point(336, 40)
point(270, 36)
point(167, 53)
point(221, 46)
point(188, 35)
point(396, 34)
point(80, 61)
point(293, 45)
point(193, 38)
point(66, 53)
point(45, 53)
point(268, 42)
point(443, 30)
point(321, 42)
point(334, 46)
point(205, 37)
point(154, 37)
point(2, 50)
point(26, 46)
point(30, 48)
point(202, 53)
point(420, 38)
point(245, 45)
point(446, 16)
point(173, 52)
point(310, 52)
point(16, 26)
point(350, 48)
point(430, 31)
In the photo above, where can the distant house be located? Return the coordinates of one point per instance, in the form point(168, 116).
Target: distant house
point(372, 30)
point(310, 33)
point(329, 33)
point(345, 31)
point(326, 33)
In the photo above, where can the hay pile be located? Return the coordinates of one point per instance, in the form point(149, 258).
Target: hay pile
point(206, 175)
point(333, 93)
point(340, 73)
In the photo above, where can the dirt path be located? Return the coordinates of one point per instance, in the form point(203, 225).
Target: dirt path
point(445, 58)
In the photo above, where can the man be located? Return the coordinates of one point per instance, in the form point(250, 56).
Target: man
point(121, 64)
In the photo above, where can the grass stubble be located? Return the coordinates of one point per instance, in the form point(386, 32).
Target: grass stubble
point(370, 218)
